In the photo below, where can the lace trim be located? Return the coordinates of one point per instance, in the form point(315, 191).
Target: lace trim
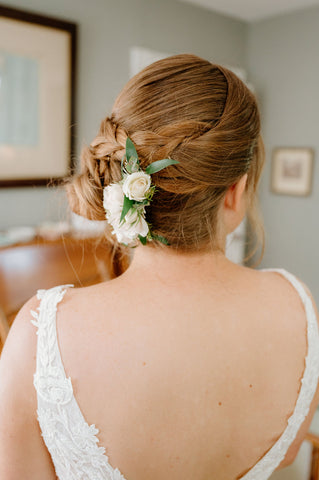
point(50, 380)
point(72, 443)
point(270, 461)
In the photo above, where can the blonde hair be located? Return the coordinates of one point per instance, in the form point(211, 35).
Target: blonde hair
point(193, 111)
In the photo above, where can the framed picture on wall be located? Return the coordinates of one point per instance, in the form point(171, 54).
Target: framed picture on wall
point(37, 93)
point(292, 170)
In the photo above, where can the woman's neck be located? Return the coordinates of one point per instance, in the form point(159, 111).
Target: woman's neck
point(168, 264)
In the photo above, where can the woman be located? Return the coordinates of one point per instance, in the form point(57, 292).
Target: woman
point(186, 365)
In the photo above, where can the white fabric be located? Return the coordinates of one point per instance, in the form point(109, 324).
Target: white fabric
point(73, 444)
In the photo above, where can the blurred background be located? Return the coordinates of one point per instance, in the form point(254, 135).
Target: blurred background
point(272, 45)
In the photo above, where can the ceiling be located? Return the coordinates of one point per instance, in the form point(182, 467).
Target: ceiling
point(251, 10)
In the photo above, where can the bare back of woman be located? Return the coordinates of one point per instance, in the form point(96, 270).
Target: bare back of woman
point(196, 368)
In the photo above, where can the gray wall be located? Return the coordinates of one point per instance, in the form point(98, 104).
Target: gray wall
point(283, 64)
point(107, 29)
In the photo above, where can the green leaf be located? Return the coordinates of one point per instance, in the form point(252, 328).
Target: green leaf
point(143, 203)
point(130, 149)
point(159, 165)
point(127, 205)
point(160, 238)
point(143, 240)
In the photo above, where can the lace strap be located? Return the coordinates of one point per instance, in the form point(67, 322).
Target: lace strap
point(270, 461)
point(50, 380)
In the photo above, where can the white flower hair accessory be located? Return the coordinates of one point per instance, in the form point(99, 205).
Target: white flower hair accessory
point(124, 202)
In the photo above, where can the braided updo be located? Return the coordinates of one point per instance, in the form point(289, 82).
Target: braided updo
point(188, 109)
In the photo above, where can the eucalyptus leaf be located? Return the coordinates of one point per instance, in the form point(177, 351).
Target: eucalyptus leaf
point(127, 205)
point(130, 149)
point(159, 165)
point(143, 240)
point(143, 203)
point(160, 238)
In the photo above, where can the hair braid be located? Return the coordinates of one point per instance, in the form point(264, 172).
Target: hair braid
point(100, 166)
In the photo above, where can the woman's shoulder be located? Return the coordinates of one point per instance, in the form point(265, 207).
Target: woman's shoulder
point(18, 403)
point(21, 343)
point(277, 287)
point(290, 296)
point(21, 338)
point(18, 356)
point(287, 280)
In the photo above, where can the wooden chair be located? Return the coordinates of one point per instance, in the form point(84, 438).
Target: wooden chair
point(314, 470)
point(25, 268)
point(4, 327)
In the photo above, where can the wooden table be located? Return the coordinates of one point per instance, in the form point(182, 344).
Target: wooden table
point(42, 263)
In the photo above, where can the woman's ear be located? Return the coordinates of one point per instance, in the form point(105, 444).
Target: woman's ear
point(234, 205)
point(234, 195)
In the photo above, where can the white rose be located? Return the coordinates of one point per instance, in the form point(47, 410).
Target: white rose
point(129, 230)
point(133, 225)
point(136, 186)
point(113, 199)
point(137, 223)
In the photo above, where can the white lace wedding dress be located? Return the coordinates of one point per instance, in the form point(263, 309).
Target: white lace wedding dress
point(73, 444)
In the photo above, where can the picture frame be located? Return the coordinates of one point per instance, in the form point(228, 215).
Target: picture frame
point(37, 98)
point(292, 170)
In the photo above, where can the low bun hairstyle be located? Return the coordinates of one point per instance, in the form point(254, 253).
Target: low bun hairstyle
point(198, 113)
